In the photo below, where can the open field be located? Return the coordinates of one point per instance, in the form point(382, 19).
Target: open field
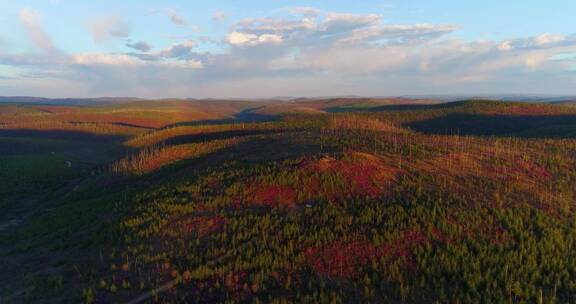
point(311, 201)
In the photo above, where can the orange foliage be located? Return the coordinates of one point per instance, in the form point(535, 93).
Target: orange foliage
point(154, 158)
point(158, 136)
point(202, 226)
point(91, 128)
point(271, 195)
point(357, 122)
point(366, 175)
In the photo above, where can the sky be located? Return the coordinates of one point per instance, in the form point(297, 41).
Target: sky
point(273, 48)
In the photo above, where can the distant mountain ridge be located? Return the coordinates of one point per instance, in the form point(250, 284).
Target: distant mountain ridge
point(502, 97)
point(65, 101)
point(571, 102)
point(443, 97)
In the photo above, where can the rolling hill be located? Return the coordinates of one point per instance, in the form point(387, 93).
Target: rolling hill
point(306, 201)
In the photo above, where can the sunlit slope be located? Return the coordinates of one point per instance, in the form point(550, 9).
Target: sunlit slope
point(143, 114)
point(351, 208)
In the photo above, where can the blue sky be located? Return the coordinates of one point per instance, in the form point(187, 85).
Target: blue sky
point(230, 48)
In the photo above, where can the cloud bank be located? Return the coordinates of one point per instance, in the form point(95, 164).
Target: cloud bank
point(305, 52)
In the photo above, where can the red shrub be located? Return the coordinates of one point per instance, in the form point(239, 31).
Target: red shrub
point(271, 195)
point(355, 175)
point(402, 247)
point(345, 261)
point(533, 170)
point(312, 189)
point(341, 261)
point(364, 175)
point(523, 169)
point(203, 226)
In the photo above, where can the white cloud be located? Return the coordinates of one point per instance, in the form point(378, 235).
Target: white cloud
point(270, 38)
point(104, 28)
point(189, 64)
point(176, 18)
point(306, 11)
point(104, 59)
point(33, 24)
point(398, 34)
point(239, 39)
point(336, 28)
point(505, 46)
point(270, 25)
point(308, 52)
point(127, 61)
point(547, 38)
point(343, 22)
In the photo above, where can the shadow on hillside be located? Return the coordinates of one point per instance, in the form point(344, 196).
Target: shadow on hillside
point(249, 115)
point(401, 107)
point(25, 141)
point(528, 126)
point(59, 134)
point(196, 138)
point(417, 107)
point(268, 148)
point(122, 124)
point(244, 116)
point(254, 150)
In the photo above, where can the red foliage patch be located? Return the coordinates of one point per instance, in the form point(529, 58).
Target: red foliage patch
point(524, 169)
point(401, 248)
point(312, 189)
point(355, 175)
point(345, 260)
point(203, 226)
point(341, 261)
point(271, 195)
point(363, 173)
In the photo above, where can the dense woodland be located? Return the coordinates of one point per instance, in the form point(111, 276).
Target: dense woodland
point(465, 202)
